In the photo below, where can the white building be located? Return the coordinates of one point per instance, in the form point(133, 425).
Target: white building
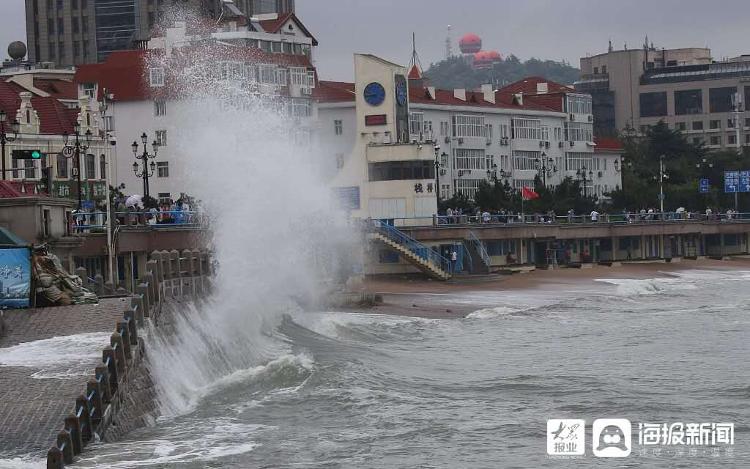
point(274, 60)
point(523, 130)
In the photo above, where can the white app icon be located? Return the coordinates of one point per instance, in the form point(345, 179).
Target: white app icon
point(566, 437)
point(611, 438)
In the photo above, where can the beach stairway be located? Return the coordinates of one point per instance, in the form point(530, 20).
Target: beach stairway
point(478, 256)
point(414, 252)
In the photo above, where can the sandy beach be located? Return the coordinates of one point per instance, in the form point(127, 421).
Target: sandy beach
point(414, 296)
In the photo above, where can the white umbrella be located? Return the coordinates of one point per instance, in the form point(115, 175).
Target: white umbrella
point(133, 200)
point(680, 210)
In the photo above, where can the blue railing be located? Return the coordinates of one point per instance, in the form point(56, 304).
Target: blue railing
point(87, 221)
point(420, 250)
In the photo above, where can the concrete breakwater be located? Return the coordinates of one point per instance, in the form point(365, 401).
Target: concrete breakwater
point(119, 396)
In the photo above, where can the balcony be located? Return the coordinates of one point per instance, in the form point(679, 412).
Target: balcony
point(377, 153)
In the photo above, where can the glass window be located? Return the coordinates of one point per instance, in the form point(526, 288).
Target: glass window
point(721, 99)
point(161, 138)
point(62, 167)
point(160, 108)
point(469, 158)
point(156, 76)
point(714, 124)
point(102, 167)
point(90, 166)
point(162, 169)
point(681, 126)
point(416, 121)
point(529, 129)
point(468, 126)
point(654, 104)
point(697, 125)
point(688, 102)
point(338, 127)
point(715, 140)
point(525, 160)
point(401, 170)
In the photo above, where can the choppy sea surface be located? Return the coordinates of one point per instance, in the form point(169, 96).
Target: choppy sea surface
point(378, 391)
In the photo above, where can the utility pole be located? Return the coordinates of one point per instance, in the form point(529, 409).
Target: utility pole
point(737, 118)
point(661, 184)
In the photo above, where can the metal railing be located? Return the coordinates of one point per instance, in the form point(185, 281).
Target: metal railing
point(500, 219)
point(418, 249)
point(479, 246)
point(87, 222)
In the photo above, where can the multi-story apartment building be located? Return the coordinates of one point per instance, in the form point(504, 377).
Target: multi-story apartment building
point(143, 101)
point(71, 32)
point(685, 88)
point(529, 128)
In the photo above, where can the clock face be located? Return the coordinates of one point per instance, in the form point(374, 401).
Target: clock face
point(401, 94)
point(374, 94)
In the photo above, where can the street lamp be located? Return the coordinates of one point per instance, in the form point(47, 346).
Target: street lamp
point(15, 126)
point(545, 167)
point(77, 147)
point(662, 176)
point(144, 157)
point(585, 177)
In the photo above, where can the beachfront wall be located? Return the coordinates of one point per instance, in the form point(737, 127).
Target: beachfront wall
point(560, 244)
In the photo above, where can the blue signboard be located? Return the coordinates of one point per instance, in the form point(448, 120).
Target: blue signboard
point(731, 181)
point(15, 277)
point(744, 181)
point(87, 204)
point(704, 186)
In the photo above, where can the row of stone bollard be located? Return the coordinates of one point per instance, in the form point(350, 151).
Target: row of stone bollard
point(169, 274)
point(98, 286)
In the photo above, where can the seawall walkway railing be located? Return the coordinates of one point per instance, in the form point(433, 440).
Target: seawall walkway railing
point(169, 274)
point(88, 222)
point(495, 219)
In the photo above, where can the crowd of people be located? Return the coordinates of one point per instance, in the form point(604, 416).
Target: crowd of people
point(131, 210)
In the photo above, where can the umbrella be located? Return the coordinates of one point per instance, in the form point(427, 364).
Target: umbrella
point(680, 210)
point(133, 201)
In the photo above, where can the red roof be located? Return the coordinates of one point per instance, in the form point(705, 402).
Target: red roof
point(57, 88)
point(54, 117)
point(608, 144)
point(273, 26)
point(13, 189)
point(124, 73)
point(528, 86)
point(335, 91)
point(415, 73)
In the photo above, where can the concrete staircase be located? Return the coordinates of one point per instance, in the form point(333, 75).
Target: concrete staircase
point(416, 253)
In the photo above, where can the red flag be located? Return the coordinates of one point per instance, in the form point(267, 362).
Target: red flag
point(528, 194)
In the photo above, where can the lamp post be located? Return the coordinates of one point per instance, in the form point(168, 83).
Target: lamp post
point(144, 157)
point(585, 177)
point(662, 176)
point(545, 167)
point(15, 126)
point(437, 173)
point(77, 147)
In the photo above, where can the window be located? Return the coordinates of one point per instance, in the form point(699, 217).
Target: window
point(161, 138)
point(160, 108)
point(715, 140)
point(75, 25)
point(30, 166)
point(579, 132)
point(60, 26)
point(468, 187)
point(731, 139)
point(300, 108)
point(501, 247)
point(529, 129)
point(443, 128)
point(339, 160)
point(653, 104)
point(62, 167)
point(298, 76)
point(697, 141)
point(416, 122)
point(730, 123)
point(545, 133)
point(503, 130)
point(467, 126)
point(747, 139)
point(468, 158)
point(165, 197)
point(688, 102)
point(519, 183)
point(276, 47)
point(578, 160)
point(525, 160)
point(578, 104)
point(282, 77)
point(267, 74)
point(681, 126)
point(697, 125)
point(714, 124)
point(488, 131)
point(90, 166)
point(162, 169)
point(156, 76)
point(50, 26)
point(747, 121)
point(338, 127)
point(401, 170)
point(102, 167)
point(721, 99)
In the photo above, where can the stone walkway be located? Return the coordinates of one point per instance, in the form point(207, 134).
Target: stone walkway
point(38, 388)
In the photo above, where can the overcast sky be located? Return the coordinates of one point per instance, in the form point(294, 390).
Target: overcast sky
point(549, 29)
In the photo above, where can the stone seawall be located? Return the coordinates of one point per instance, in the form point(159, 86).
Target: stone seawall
point(120, 396)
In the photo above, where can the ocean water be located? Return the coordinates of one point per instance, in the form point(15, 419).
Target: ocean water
point(357, 390)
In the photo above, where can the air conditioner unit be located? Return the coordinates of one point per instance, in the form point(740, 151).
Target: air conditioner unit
point(306, 91)
point(572, 143)
point(443, 172)
point(560, 144)
point(488, 142)
point(447, 140)
point(572, 117)
point(591, 118)
point(546, 144)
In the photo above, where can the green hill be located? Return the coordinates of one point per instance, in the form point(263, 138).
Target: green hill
point(455, 72)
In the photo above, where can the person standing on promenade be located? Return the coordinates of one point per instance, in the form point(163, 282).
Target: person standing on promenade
point(454, 260)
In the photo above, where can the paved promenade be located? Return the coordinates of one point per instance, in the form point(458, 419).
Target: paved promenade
point(46, 358)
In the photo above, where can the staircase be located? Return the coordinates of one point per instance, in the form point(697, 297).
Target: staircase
point(419, 255)
point(479, 258)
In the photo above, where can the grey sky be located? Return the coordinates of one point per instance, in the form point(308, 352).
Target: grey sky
point(550, 29)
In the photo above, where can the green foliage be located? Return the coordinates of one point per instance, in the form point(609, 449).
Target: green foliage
point(456, 72)
point(684, 163)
